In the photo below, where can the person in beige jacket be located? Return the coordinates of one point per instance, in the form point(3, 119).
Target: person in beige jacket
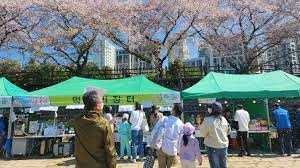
point(215, 130)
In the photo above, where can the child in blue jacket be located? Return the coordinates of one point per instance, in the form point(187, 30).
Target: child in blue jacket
point(124, 132)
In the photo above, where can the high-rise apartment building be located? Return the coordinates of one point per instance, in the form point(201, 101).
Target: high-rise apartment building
point(180, 52)
point(198, 61)
point(128, 61)
point(285, 56)
point(106, 54)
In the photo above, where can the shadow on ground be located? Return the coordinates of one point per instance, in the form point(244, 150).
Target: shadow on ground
point(72, 162)
point(259, 155)
point(296, 157)
point(67, 163)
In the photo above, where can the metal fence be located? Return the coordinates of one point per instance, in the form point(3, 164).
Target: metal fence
point(182, 79)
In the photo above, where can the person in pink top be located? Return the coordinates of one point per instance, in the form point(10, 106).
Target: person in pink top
point(189, 150)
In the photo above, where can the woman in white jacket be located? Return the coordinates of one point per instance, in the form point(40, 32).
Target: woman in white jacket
point(215, 130)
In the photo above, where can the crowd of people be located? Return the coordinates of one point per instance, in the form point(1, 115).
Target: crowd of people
point(170, 137)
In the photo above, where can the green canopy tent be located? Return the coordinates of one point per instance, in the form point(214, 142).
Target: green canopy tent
point(118, 91)
point(12, 96)
point(275, 84)
point(9, 91)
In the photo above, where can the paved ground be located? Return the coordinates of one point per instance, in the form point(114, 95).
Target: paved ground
point(259, 161)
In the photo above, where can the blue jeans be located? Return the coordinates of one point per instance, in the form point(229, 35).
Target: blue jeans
point(137, 143)
point(285, 141)
point(217, 157)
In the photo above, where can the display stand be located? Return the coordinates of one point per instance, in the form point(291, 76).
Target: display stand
point(43, 136)
point(24, 145)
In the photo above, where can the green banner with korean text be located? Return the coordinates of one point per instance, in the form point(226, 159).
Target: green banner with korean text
point(120, 99)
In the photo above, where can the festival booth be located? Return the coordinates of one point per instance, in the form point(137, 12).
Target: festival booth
point(119, 93)
point(253, 91)
point(15, 104)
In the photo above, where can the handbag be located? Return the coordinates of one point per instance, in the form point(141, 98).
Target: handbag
point(150, 160)
point(235, 125)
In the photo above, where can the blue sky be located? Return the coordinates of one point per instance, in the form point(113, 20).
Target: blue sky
point(193, 48)
point(14, 55)
point(23, 58)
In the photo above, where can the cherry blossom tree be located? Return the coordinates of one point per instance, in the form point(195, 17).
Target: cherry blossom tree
point(15, 18)
point(144, 29)
point(155, 26)
point(62, 38)
point(151, 29)
point(288, 7)
point(251, 27)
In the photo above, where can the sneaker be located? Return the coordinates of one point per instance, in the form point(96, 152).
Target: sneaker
point(289, 154)
point(133, 160)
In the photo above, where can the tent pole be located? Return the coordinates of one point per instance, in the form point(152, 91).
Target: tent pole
point(182, 115)
point(9, 131)
point(269, 121)
point(11, 110)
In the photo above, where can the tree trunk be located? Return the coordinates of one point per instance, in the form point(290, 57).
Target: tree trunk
point(243, 70)
point(78, 70)
point(81, 66)
point(160, 70)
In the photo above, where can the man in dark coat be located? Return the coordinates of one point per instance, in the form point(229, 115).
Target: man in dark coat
point(94, 145)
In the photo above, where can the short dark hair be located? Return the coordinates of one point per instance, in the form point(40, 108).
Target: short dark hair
point(217, 109)
point(90, 99)
point(138, 106)
point(240, 106)
point(177, 109)
point(276, 105)
point(154, 108)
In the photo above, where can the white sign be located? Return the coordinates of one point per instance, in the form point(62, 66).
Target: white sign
point(126, 108)
point(5, 101)
point(48, 108)
point(75, 107)
point(165, 108)
point(207, 101)
point(168, 99)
